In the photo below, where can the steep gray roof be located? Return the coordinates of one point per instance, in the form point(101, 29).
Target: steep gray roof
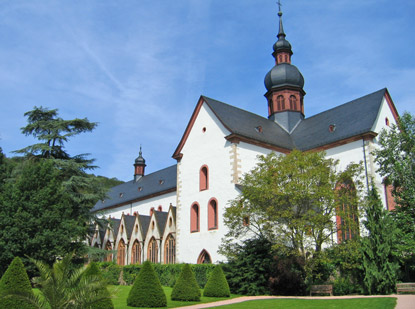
point(147, 185)
point(115, 224)
point(129, 225)
point(161, 218)
point(350, 119)
point(246, 124)
point(145, 223)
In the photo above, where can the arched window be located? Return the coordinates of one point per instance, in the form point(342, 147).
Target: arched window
point(121, 253)
point(136, 253)
point(280, 103)
point(170, 250)
point(153, 250)
point(293, 102)
point(194, 218)
point(204, 258)
point(347, 215)
point(203, 178)
point(212, 214)
point(390, 200)
point(108, 247)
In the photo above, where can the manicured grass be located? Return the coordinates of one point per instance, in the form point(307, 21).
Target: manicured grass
point(366, 303)
point(121, 294)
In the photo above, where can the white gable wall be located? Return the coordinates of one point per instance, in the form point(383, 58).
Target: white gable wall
point(203, 148)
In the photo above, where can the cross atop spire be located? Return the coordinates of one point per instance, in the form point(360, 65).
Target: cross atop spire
point(279, 5)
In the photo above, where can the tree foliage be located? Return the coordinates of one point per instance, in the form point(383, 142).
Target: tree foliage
point(249, 266)
point(217, 285)
point(46, 196)
point(186, 287)
point(146, 290)
point(291, 201)
point(105, 302)
point(378, 249)
point(396, 159)
point(15, 280)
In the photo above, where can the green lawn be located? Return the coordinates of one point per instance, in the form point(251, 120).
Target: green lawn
point(366, 303)
point(121, 294)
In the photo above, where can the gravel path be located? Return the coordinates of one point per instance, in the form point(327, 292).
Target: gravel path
point(404, 301)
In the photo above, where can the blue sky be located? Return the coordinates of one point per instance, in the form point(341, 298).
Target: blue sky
point(138, 67)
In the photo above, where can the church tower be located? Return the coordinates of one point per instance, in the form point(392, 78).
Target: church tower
point(139, 166)
point(284, 84)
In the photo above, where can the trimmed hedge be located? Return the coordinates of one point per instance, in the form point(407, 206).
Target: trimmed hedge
point(186, 288)
point(106, 303)
point(217, 286)
point(15, 280)
point(147, 290)
point(167, 273)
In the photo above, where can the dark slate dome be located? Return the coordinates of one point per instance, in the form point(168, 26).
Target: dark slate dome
point(282, 45)
point(284, 74)
point(140, 159)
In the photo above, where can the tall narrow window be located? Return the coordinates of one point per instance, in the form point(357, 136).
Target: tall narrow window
point(212, 215)
point(121, 253)
point(293, 102)
point(203, 178)
point(136, 253)
point(170, 250)
point(347, 215)
point(390, 201)
point(152, 254)
point(204, 258)
point(108, 247)
point(280, 103)
point(194, 218)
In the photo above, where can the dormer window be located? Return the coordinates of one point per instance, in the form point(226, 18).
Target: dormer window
point(258, 129)
point(161, 181)
point(332, 128)
point(121, 194)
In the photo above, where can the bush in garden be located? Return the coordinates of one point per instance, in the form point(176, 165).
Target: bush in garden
point(105, 303)
point(217, 286)
point(147, 290)
point(288, 276)
point(15, 280)
point(186, 288)
point(110, 272)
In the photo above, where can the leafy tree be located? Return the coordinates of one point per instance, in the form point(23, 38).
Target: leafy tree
point(186, 287)
point(146, 290)
point(396, 159)
point(249, 266)
point(217, 286)
point(15, 280)
point(53, 132)
point(46, 196)
point(291, 201)
point(378, 249)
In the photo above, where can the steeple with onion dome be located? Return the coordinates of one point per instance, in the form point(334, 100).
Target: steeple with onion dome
point(139, 166)
point(284, 83)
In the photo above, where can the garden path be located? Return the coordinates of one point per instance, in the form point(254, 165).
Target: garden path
point(404, 301)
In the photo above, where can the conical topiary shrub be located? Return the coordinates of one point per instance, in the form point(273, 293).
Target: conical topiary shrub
point(217, 285)
point(15, 281)
point(186, 287)
point(106, 302)
point(147, 290)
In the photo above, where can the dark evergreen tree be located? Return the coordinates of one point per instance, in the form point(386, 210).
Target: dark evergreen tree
point(46, 196)
point(16, 281)
point(249, 267)
point(217, 285)
point(186, 287)
point(146, 290)
point(105, 302)
point(379, 258)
